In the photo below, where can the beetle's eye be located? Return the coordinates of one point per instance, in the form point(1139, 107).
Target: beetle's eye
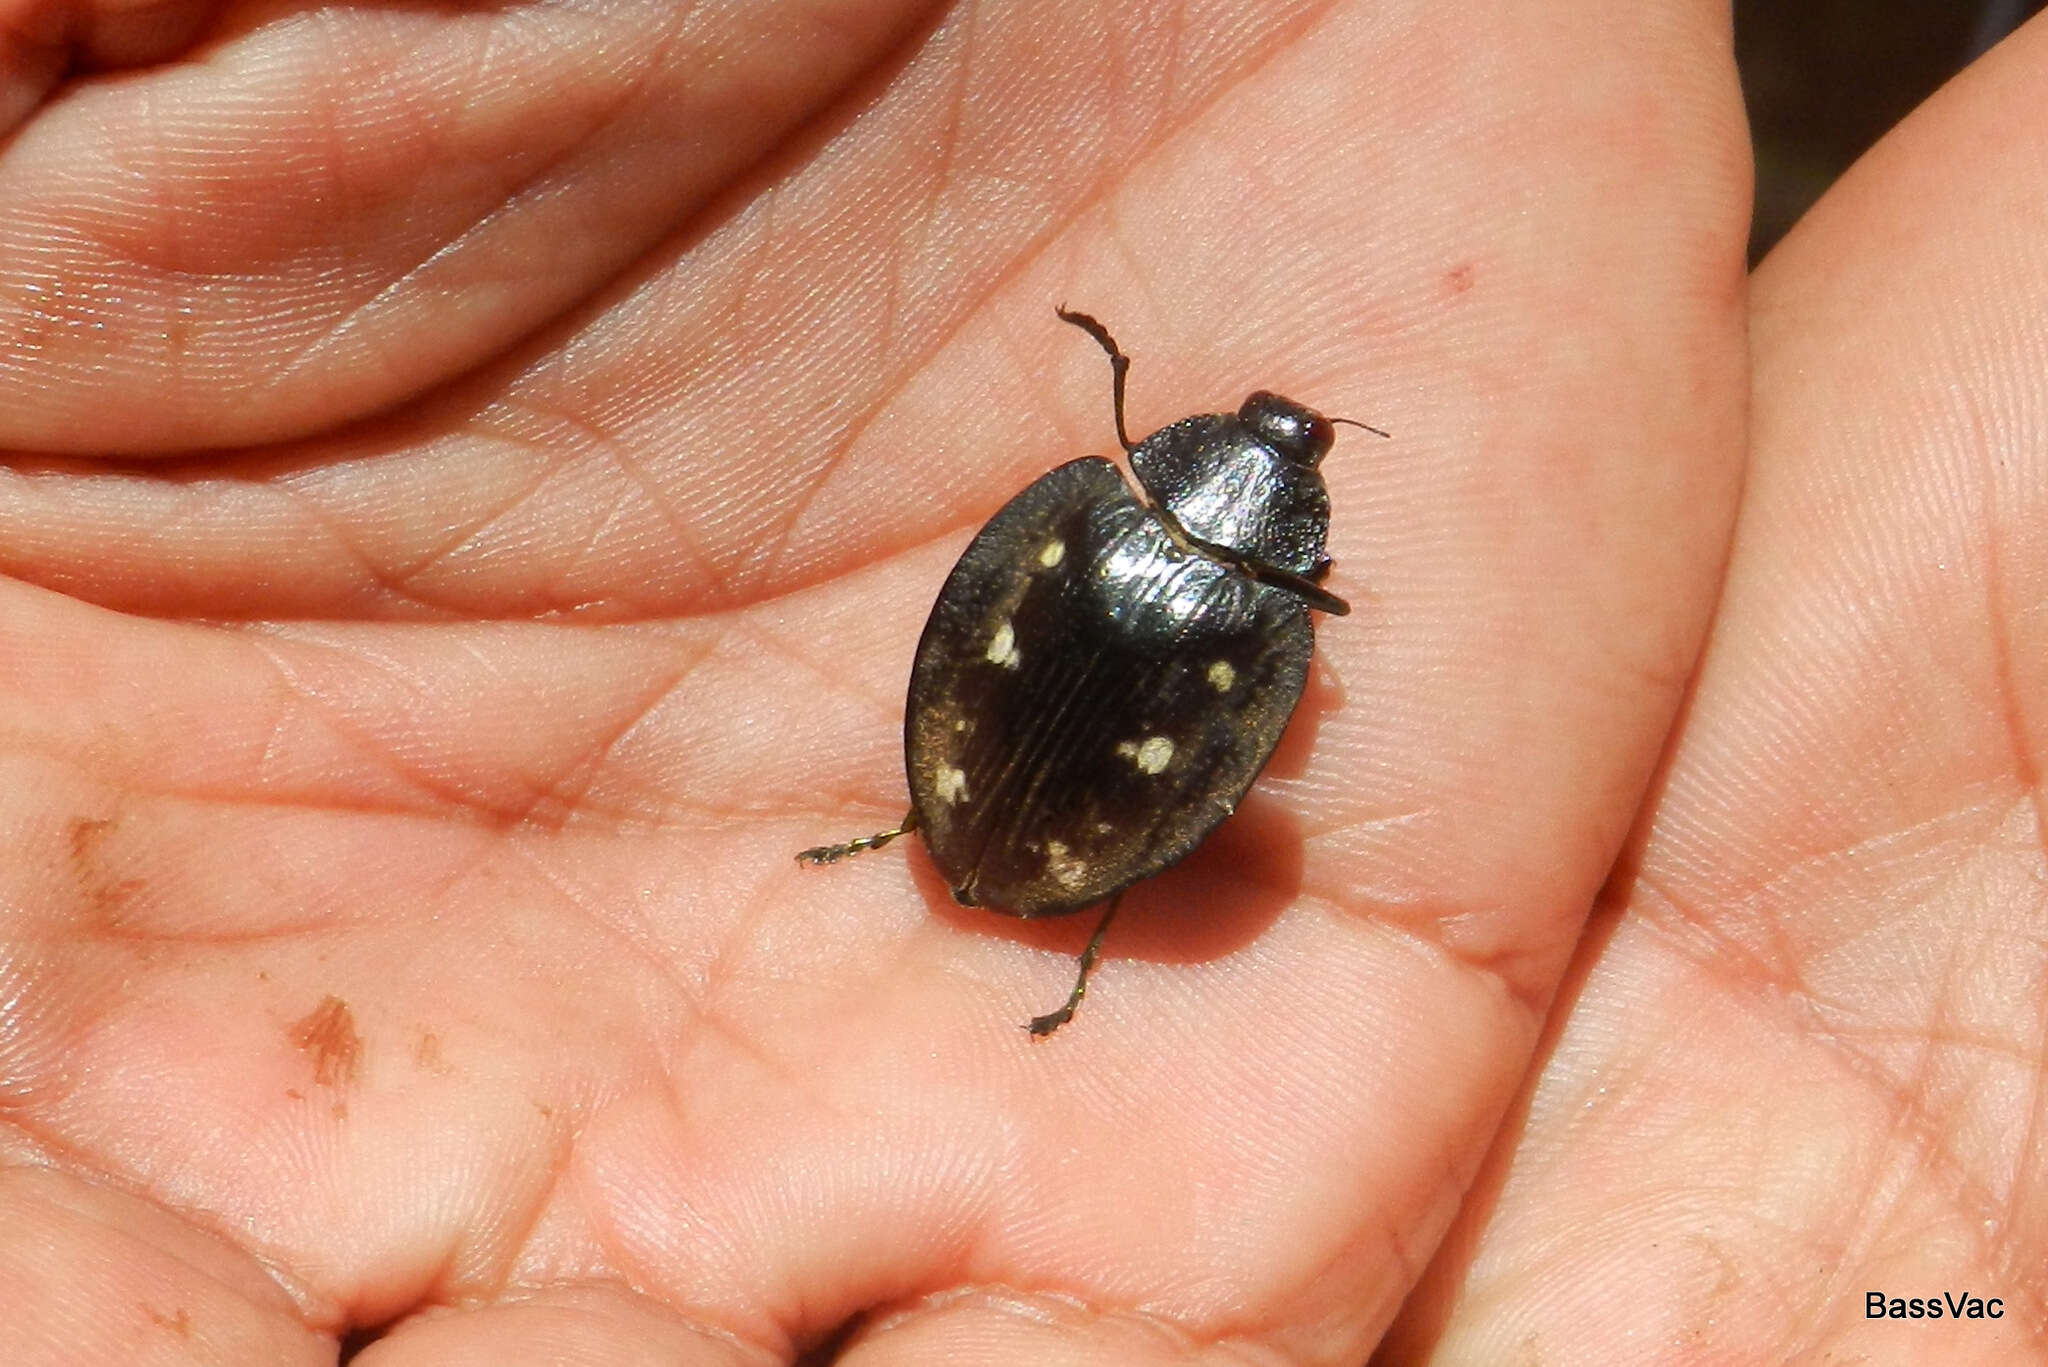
point(1300, 434)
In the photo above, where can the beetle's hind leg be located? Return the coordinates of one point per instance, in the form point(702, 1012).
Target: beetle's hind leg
point(832, 854)
point(1044, 1025)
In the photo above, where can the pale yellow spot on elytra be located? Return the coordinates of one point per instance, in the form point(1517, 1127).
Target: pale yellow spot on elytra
point(951, 784)
point(1054, 552)
point(1068, 871)
point(1002, 647)
point(1222, 676)
point(1151, 755)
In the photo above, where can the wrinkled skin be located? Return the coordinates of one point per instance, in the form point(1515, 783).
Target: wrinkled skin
point(475, 479)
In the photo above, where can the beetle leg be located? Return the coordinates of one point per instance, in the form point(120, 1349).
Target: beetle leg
point(832, 854)
point(1119, 365)
point(1041, 1026)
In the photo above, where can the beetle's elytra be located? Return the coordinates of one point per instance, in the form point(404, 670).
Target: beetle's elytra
point(1101, 677)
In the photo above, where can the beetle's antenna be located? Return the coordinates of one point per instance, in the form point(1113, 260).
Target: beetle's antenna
point(1119, 366)
point(1353, 422)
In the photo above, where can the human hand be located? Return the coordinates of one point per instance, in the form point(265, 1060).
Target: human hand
point(408, 737)
point(1797, 1062)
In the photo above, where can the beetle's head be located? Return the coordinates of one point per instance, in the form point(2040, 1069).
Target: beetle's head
point(1300, 434)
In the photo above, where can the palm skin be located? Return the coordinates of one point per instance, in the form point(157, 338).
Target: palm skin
point(472, 506)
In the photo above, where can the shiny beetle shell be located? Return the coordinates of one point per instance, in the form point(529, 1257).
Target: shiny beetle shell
point(1090, 697)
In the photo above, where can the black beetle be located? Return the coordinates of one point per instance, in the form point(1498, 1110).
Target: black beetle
point(1101, 678)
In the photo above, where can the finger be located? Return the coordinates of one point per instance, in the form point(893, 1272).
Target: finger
point(92, 1274)
point(594, 1326)
point(320, 214)
point(43, 42)
point(1804, 1067)
point(996, 1326)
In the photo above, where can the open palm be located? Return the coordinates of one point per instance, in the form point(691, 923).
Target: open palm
point(477, 480)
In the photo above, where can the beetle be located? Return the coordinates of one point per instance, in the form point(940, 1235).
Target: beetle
point(1102, 677)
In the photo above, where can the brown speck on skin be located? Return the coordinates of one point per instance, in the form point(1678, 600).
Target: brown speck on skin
point(104, 895)
point(328, 1035)
point(1458, 278)
point(86, 833)
point(179, 1323)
